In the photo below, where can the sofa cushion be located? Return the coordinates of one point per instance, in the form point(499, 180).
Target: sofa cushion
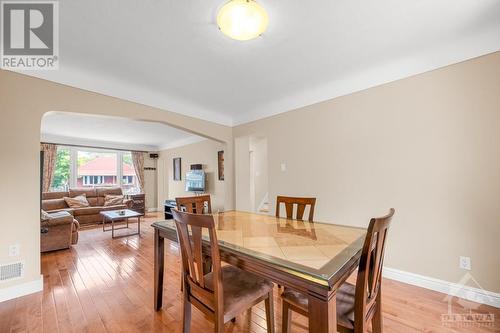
point(89, 192)
point(103, 191)
point(87, 211)
point(89, 219)
point(113, 200)
point(54, 204)
point(93, 201)
point(115, 207)
point(77, 202)
point(58, 218)
point(68, 210)
point(54, 195)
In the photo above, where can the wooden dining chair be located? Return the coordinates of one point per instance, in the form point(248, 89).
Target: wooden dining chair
point(301, 204)
point(226, 291)
point(360, 304)
point(195, 205)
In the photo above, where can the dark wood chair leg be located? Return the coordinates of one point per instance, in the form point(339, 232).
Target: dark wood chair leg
point(158, 269)
point(286, 315)
point(186, 314)
point(270, 313)
point(377, 321)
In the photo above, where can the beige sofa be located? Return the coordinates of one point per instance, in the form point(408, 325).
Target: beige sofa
point(54, 202)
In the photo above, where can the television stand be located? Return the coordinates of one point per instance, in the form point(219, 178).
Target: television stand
point(168, 205)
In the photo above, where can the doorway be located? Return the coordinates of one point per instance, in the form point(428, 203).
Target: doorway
point(251, 174)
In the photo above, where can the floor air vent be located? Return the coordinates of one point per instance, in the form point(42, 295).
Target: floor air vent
point(11, 271)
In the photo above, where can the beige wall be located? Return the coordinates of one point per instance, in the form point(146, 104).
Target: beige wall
point(205, 153)
point(23, 101)
point(427, 145)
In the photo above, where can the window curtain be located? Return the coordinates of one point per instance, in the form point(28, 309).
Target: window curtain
point(49, 164)
point(138, 160)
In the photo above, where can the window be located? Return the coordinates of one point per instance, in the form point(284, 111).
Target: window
point(62, 170)
point(96, 168)
point(88, 167)
point(93, 180)
point(126, 180)
point(129, 180)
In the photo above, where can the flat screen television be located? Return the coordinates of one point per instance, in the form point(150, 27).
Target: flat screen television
point(195, 181)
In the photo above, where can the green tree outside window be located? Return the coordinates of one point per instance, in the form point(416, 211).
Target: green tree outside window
point(62, 169)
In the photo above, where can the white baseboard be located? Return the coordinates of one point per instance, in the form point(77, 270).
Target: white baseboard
point(152, 210)
point(22, 289)
point(473, 294)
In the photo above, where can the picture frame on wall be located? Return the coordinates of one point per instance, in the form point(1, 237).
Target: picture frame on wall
point(220, 164)
point(177, 168)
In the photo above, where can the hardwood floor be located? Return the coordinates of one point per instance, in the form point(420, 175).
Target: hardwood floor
point(105, 285)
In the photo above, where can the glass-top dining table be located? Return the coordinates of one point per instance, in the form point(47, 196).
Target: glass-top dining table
point(312, 257)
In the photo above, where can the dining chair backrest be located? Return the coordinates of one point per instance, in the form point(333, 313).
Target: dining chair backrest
point(370, 270)
point(189, 230)
point(195, 205)
point(301, 204)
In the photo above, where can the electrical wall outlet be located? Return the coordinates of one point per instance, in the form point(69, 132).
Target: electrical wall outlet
point(465, 263)
point(14, 250)
point(283, 166)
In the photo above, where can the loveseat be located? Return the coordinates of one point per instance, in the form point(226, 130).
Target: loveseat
point(54, 202)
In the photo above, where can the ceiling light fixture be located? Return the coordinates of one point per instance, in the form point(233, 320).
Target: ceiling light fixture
point(242, 19)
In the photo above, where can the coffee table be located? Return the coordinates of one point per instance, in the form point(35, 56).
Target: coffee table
point(114, 216)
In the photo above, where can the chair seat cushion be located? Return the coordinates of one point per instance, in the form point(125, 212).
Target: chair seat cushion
point(241, 288)
point(345, 303)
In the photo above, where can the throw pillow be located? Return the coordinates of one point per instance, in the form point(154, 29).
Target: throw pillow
point(79, 201)
point(44, 215)
point(113, 200)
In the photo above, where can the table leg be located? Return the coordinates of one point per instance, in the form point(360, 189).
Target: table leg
point(112, 228)
point(139, 225)
point(323, 314)
point(103, 222)
point(127, 222)
point(158, 269)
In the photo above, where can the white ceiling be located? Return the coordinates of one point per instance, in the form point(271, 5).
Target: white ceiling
point(112, 132)
point(170, 54)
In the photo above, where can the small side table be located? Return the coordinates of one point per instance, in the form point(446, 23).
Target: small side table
point(113, 216)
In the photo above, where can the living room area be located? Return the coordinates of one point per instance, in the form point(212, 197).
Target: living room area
point(98, 172)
